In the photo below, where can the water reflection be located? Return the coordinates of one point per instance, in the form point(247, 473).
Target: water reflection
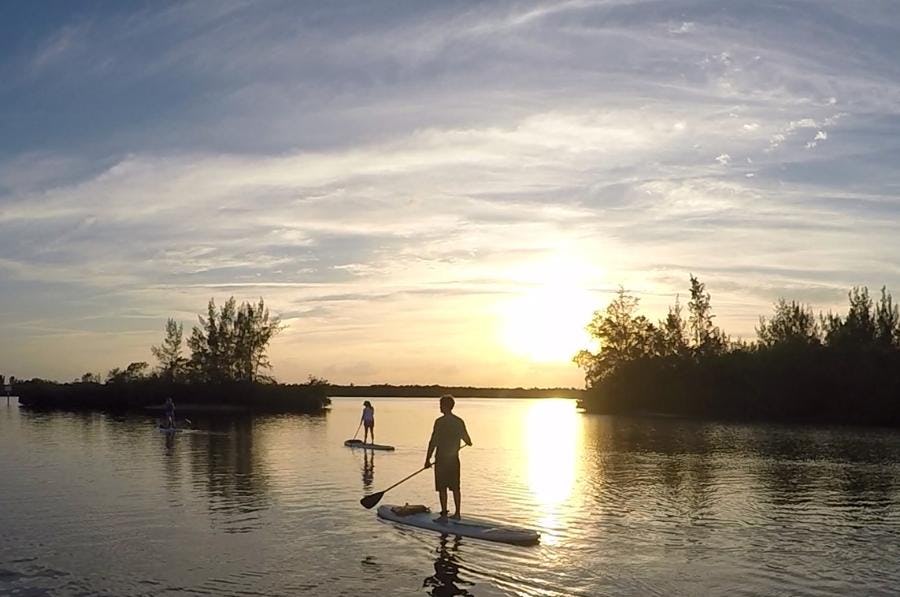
point(552, 438)
point(445, 582)
point(368, 469)
point(232, 473)
point(632, 506)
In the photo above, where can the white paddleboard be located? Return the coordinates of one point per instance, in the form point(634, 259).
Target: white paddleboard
point(466, 527)
point(358, 443)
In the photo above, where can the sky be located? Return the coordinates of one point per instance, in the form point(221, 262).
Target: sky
point(434, 192)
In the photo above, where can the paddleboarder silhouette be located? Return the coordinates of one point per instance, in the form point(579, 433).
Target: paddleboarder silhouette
point(448, 431)
point(445, 582)
point(368, 470)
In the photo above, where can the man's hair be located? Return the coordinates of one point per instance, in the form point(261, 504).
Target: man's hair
point(448, 400)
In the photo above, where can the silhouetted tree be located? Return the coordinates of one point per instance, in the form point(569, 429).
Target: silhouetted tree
point(792, 323)
point(858, 328)
point(171, 363)
point(230, 343)
point(832, 368)
point(707, 339)
point(622, 335)
point(887, 321)
point(133, 372)
point(673, 333)
point(254, 329)
point(91, 378)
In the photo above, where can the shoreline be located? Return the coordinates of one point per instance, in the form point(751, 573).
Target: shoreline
point(149, 394)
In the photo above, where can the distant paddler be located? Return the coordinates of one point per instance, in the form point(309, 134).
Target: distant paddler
point(170, 413)
point(449, 430)
point(368, 421)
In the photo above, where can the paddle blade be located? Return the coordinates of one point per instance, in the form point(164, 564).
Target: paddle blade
point(370, 500)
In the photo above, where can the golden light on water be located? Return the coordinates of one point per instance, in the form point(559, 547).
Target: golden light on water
point(552, 440)
point(552, 446)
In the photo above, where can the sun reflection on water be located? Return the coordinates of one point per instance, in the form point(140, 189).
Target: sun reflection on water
point(552, 439)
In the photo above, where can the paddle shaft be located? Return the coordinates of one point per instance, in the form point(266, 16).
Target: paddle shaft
point(403, 480)
point(370, 500)
point(357, 430)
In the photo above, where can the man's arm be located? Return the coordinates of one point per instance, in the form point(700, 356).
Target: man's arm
point(465, 435)
point(431, 446)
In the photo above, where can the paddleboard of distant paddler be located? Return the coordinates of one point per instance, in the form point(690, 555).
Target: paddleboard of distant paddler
point(358, 443)
point(190, 430)
point(465, 527)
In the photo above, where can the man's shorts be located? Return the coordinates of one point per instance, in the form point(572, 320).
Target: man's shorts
point(446, 474)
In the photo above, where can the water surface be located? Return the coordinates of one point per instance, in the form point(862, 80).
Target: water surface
point(92, 504)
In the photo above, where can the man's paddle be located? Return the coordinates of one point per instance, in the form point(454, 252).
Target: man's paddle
point(370, 500)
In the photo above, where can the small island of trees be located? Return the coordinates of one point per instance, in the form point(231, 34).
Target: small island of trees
point(804, 366)
point(226, 367)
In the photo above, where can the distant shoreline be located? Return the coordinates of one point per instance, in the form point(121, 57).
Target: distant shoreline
point(147, 394)
point(434, 391)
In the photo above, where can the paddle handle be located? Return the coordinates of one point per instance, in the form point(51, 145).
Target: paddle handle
point(404, 479)
point(432, 463)
point(369, 501)
point(414, 474)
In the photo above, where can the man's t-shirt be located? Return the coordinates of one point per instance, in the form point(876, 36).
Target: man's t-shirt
point(449, 430)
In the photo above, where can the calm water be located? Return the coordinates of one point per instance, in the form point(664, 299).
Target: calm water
point(95, 505)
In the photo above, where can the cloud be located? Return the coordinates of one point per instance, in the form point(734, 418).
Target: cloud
point(60, 46)
point(387, 178)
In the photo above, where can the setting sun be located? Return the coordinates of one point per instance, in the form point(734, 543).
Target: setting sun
point(546, 323)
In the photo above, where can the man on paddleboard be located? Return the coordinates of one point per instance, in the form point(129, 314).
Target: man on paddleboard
point(448, 431)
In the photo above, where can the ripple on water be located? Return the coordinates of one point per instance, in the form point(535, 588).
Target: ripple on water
point(270, 506)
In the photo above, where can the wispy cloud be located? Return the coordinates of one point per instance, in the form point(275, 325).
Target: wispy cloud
point(385, 177)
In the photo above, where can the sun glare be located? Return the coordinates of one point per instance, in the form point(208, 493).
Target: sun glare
point(546, 322)
point(552, 438)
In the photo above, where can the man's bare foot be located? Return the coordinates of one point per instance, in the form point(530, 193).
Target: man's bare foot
point(442, 519)
point(456, 516)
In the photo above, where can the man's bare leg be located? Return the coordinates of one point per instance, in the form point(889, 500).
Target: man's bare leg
point(442, 494)
point(457, 501)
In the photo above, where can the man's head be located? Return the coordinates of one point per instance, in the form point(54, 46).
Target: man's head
point(447, 404)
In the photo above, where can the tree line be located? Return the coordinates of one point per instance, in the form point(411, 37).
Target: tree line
point(222, 364)
point(229, 345)
point(802, 366)
point(435, 390)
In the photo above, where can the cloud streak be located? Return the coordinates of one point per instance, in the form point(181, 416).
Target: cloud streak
point(390, 179)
